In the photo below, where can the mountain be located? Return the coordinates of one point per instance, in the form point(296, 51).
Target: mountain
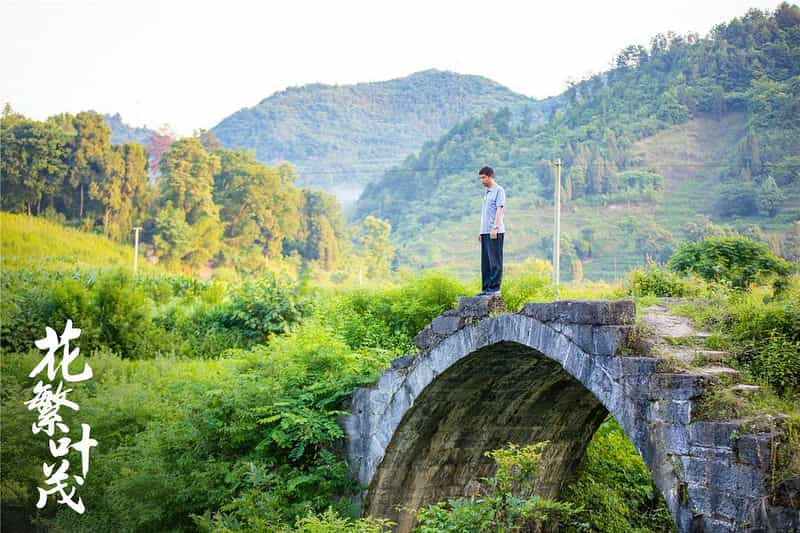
point(122, 133)
point(689, 135)
point(341, 137)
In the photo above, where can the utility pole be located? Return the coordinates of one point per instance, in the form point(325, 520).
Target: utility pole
point(557, 227)
point(136, 249)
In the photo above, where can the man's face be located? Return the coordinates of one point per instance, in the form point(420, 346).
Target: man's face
point(486, 180)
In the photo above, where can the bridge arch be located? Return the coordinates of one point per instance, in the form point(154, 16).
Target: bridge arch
point(552, 372)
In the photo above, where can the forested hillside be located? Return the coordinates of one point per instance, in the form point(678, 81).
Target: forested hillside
point(726, 105)
point(348, 135)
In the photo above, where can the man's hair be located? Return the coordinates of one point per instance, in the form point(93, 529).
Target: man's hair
point(486, 171)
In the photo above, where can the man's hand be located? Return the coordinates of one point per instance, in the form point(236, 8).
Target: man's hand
point(493, 234)
point(479, 237)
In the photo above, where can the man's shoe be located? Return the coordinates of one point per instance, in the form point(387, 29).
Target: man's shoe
point(492, 293)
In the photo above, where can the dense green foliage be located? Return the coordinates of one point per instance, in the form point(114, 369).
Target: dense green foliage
point(349, 135)
point(762, 331)
point(748, 66)
point(244, 438)
point(656, 281)
point(737, 260)
point(149, 316)
point(614, 487)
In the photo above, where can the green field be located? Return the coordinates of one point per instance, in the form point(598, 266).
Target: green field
point(35, 242)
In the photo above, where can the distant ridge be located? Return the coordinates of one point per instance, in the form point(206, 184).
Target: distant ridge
point(123, 133)
point(348, 135)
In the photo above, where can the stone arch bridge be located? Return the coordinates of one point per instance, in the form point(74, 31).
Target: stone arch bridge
point(483, 378)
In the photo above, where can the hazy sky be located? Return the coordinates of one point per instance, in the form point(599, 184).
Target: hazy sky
point(192, 63)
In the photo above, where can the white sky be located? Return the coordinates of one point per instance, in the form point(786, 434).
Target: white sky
point(192, 63)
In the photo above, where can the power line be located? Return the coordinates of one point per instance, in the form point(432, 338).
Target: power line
point(451, 169)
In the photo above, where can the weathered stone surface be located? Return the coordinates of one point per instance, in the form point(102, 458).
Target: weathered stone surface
point(402, 362)
point(549, 373)
point(480, 306)
point(604, 313)
point(425, 338)
point(447, 325)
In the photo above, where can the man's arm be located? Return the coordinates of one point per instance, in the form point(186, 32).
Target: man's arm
point(496, 224)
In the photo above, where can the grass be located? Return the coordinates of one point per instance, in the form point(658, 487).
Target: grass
point(37, 243)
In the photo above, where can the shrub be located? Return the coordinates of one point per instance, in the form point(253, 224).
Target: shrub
point(266, 305)
point(123, 315)
point(389, 319)
point(777, 362)
point(656, 281)
point(529, 281)
point(509, 503)
point(737, 260)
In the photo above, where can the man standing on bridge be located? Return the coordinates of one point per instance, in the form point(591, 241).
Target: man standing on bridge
point(491, 233)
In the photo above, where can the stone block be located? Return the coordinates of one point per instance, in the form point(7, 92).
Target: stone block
point(712, 434)
point(727, 506)
point(695, 470)
point(784, 519)
point(426, 338)
point(402, 362)
point(480, 306)
point(583, 312)
point(679, 386)
point(676, 439)
point(677, 412)
point(629, 366)
point(699, 498)
point(754, 449)
point(722, 477)
point(447, 325)
point(749, 480)
point(609, 340)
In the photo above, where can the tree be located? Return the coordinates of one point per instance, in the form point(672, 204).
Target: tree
point(172, 236)
point(187, 183)
point(737, 199)
point(751, 153)
point(655, 243)
point(33, 162)
point(92, 143)
point(122, 190)
point(738, 260)
point(376, 247)
point(700, 228)
point(769, 197)
point(505, 502)
point(260, 205)
point(188, 178)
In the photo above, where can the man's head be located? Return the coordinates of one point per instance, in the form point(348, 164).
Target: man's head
point(486, 175)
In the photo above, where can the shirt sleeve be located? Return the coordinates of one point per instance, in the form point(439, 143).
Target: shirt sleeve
point(500, 200)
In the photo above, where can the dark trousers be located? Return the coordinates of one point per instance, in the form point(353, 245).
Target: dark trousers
point(491, 261)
